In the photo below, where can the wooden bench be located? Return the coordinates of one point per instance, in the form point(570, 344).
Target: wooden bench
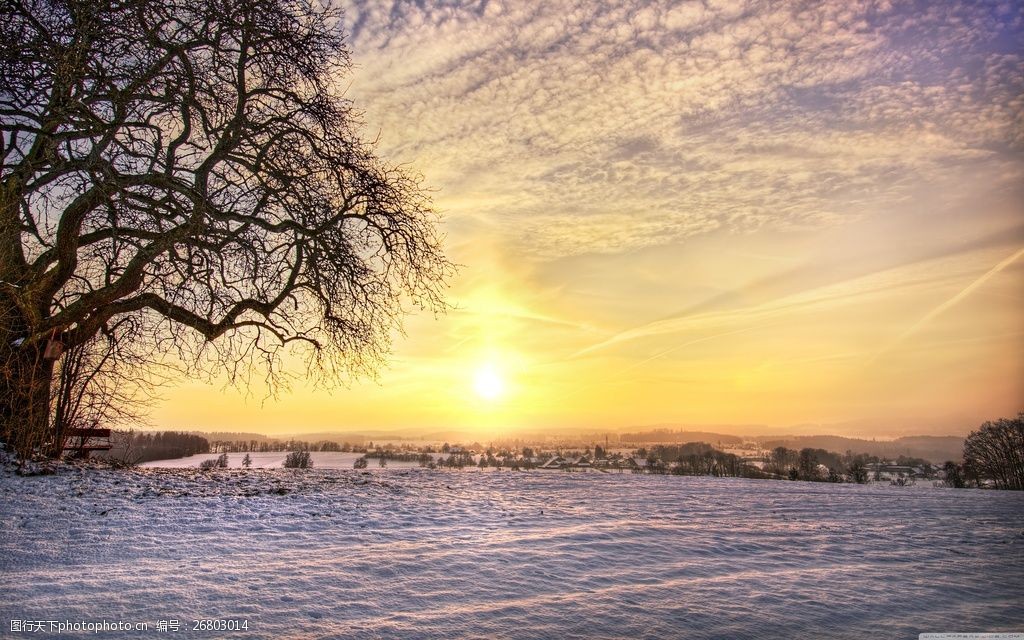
point(82, 441)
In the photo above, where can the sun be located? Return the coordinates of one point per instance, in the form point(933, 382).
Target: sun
point(487, 383)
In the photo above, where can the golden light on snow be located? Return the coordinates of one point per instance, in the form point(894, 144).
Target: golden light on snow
point(487, 382)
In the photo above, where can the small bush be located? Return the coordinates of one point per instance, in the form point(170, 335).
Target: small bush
point(360, 463)
point(298, 460)
point(208, 464)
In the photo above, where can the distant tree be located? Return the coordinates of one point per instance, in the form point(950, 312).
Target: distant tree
point(857, 471)
point(807, 465)
point(222, 461)
point(298, 460)
point(780, 460)
point(247, 461)
point(383, 462)
point(827, 458)
point(208, 464)
point(360, 463)
point(954, 475)
point(996, 452)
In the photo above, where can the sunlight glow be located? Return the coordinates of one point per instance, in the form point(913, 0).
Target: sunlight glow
point(488, 383)
point(675, 241)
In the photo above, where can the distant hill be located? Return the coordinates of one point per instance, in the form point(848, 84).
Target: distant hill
point(330, 436)
point(232, 436)
point(669, 436)
point(936, 449)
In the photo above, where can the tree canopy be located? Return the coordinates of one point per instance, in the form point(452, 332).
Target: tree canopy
point(197, 164)
point(996, 452)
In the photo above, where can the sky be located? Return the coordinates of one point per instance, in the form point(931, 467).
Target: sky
point(771, 217)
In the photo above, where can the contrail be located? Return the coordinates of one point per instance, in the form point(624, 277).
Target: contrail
point(687, 344)
point(841, 292)
point(928, 317)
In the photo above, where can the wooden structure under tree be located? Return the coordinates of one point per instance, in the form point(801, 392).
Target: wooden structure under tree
point(83, 441)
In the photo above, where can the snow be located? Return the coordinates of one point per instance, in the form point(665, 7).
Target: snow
point(328, 553)
point(274, 459)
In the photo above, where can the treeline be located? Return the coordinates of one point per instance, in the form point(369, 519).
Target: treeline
point(264, 446)
point(820, 465)
point(815, 465)
point(400, 456)
point(933, 449)
point(993, 457)
point(511, 459)
point(696, 459)
point(146, 446)
point(459, 460)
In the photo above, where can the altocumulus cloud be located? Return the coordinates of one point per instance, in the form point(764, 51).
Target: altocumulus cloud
point(577, 126)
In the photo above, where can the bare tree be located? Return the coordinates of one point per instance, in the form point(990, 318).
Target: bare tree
point(996, 452)
point(298, 460)
point(857, 471)
point(780, 460)
point(195, 164)
point(954, 475)
point(108, 380)
point(807, 465)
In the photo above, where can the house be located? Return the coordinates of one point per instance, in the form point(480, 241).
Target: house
point(556, 462)
point(889, 471)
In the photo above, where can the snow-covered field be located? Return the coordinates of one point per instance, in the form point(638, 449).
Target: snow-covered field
point(275, 459)
point(418, 553)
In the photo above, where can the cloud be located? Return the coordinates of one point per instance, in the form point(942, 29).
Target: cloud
point(960, 295)
point(611, 126)
point(819, 285)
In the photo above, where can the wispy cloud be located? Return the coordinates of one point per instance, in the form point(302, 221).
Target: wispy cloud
point(817, 285)
point(606, 127)
point(960, 296)
point(735, 201)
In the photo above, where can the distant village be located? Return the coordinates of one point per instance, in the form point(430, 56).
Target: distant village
point(687, 459)
point(736, 459)
point(986, 458)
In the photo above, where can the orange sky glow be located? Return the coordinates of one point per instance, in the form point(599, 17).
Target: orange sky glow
point(696, 213)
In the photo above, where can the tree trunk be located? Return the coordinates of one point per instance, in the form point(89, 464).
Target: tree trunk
point(24, 389)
